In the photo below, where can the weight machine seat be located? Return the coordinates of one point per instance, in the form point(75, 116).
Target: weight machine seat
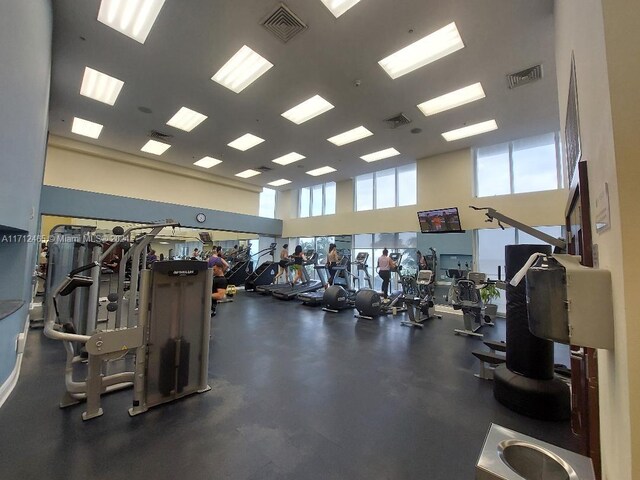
point(489, 357)
point(497, 346)
point(71, 283)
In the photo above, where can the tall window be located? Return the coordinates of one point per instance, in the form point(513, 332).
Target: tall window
point(394, 187)
point(318, 200)
point(267, 203)
point(528, 165)
point(373, 244)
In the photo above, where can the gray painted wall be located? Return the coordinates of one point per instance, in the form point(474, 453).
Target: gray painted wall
point(76, 203)
point(25, 59)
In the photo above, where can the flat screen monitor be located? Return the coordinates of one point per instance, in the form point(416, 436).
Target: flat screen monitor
point(444, 220)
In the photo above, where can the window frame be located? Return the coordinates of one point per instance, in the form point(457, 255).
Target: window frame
point(275, 202)
point(560, 183)
point(374, 190)
point(323, 200)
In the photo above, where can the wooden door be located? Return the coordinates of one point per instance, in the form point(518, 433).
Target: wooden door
point(585, 417)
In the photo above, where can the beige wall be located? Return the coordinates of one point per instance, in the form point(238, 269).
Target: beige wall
point(607, 68)
point(443, 181)
point(81, 166)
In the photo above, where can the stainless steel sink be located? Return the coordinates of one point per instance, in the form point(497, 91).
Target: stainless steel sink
point(532, 462)
point(510, 455)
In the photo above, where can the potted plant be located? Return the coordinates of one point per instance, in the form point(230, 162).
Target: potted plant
point(488, 293)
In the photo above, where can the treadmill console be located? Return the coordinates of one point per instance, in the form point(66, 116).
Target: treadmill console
point(362, 257)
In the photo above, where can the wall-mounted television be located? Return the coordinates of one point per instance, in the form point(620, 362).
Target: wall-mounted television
point(443, 220)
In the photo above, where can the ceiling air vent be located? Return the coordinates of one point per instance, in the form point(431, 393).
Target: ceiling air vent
point(163, 137)
point(283, 23)
point(525, 76)
point(398, 120)
point(264, 169)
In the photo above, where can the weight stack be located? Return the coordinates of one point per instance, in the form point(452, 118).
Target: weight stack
point(526, 383)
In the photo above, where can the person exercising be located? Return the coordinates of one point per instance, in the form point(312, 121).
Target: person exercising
point(219, 288)
point(332, 262)
point(385, 264)
point(283, 265)
point(298, 260)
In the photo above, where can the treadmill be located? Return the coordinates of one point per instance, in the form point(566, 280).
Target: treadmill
point(307, 286)
point(314, 298)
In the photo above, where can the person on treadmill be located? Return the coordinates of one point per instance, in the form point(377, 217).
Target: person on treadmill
point(283, 265)
point(332, 262)
point(298, 259)
point(385, 264)
point(219, 289)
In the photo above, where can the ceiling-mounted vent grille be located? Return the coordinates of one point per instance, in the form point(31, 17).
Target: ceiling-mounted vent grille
point(283, 23)
point(163, 137)
point(264, 169)
point(525, 76)
point(398, 120)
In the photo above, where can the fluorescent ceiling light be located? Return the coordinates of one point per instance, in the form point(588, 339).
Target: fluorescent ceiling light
point(279, 183)
point(372, 157)
point(163, 243)
point(478, 128)
point(350, 136)
point(244, 68)
point(133, 18)
point(157, 148)
point(207, 162)
point(245, 142)
point(321, 171)
point(426, 50)
point(338, 7)
point(100, 86)
point(86, 128)
point(288, 158)
point(186, 119)
point(307, 110)
point(248, 173)
point(452, 99)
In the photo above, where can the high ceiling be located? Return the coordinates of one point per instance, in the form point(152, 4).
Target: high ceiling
point(192, 39)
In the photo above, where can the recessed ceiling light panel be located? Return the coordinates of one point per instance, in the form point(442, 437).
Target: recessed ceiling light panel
point(100, 86)
point(321, 171)
point(372, 157)
point(471, 130)
point(133, 18)
point(288, 158)
point(245, 142)
point(186, 119)
point(426, 50)
point(452, 99)
point(350, 136)
point(308, 109)
point(248, 173)
point(207, 162)
point(86, 128)
point(157, 148)
point(244, 68)
point(279, 183)
point(338, 7)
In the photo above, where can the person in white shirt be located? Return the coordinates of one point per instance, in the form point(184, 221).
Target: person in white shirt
point(385, 264)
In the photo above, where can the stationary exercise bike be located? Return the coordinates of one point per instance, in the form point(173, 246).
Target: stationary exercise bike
point(418, 297)
point(465, 296)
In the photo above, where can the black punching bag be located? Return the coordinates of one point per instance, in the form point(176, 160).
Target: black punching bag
point(527, 354)
point(526, 383)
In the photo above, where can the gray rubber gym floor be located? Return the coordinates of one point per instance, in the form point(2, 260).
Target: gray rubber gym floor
point(297, 393)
